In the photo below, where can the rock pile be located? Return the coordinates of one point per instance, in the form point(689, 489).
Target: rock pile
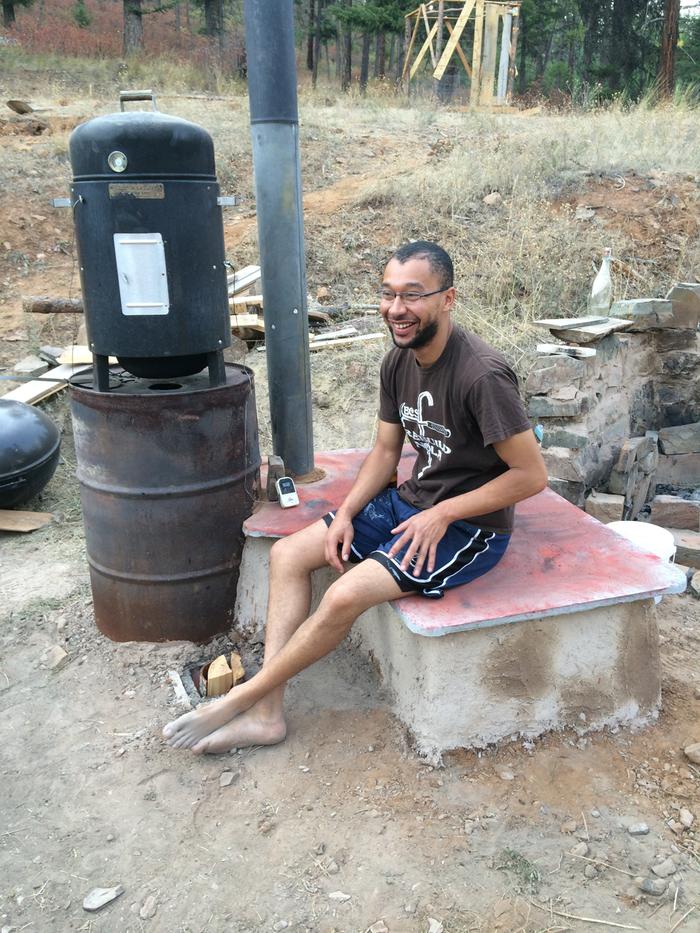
point(620, 409)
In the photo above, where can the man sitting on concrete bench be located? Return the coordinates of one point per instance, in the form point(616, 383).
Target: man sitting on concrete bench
point(456, 400)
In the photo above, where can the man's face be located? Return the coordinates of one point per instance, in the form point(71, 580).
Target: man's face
point(414, 323)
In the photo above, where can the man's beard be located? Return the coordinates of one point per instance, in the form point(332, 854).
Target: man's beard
point(422, 338)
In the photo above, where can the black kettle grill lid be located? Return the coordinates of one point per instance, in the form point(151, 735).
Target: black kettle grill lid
point(27, 437)
point(156, 145)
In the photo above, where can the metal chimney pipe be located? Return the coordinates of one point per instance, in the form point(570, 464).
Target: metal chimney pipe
point(274, 120)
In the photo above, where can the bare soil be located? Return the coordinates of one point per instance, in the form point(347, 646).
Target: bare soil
point(342, 827)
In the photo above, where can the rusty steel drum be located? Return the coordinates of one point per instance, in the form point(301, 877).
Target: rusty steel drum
point(168, 472)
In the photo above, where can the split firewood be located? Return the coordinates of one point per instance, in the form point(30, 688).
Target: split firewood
point(45, 305)
point(237, 669)
point(219, 677)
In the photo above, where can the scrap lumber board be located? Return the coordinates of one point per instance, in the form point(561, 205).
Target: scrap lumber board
point(80, 355)
point(343, 341)
point(334, 334)
point(547, 349)
point(248, 322)
point(257, 301)
point(39, 389)
point(238, 300)
point(16, 520)
point(242, 279)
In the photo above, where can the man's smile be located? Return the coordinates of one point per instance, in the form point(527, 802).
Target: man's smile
point(401, 326)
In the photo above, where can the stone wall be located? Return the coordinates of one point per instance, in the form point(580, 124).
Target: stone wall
point(624, 419)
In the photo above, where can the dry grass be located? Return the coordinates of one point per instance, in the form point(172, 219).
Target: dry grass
point(383, 170)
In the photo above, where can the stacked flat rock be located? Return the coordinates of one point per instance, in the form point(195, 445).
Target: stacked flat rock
point(602, 392)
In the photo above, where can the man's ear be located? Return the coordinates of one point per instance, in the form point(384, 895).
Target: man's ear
point(450, 297)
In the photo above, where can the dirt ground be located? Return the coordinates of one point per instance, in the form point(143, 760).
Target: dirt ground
point(342, 827)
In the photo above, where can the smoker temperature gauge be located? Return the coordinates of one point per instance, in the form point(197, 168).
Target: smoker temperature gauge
point(117, 161)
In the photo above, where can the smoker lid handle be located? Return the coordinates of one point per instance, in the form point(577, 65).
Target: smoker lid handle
point(137, 95)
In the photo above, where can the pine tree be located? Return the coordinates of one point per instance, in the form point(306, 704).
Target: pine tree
point(8, 11)
point(81, 15)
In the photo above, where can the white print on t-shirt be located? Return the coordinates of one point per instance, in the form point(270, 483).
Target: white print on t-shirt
point(434, 447)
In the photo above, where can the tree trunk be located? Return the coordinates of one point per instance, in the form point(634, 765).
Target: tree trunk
point(214, 30)
point(438, 42)
point(669, 40)
point(346, 72)
point(133, 27)
point(311, 36)
point(214, 17)
point(364, 63)
point(317, 44)
point(390, 60)
point(380, 55)
point(8, 13)
point(589, 11)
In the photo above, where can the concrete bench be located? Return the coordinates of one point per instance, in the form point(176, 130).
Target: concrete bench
point(562, 633)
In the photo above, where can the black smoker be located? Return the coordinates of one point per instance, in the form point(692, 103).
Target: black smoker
point(150, 240)
point(167, 454)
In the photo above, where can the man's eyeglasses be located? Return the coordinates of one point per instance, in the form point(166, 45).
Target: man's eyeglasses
point(408, 298)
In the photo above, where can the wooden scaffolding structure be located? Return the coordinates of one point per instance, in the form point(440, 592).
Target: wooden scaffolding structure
point(491, 74)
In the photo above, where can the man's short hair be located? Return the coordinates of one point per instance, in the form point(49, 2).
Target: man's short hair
point(438, 259)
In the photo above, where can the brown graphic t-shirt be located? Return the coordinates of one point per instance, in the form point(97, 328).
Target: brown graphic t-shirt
point(452, 413)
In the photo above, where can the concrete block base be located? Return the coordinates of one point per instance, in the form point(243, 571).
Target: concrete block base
point(586, 670)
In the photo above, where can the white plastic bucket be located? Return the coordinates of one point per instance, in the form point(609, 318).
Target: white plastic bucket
point(649, 537)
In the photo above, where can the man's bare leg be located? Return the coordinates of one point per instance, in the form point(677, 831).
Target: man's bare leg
point(292, 561)
point(361, 587)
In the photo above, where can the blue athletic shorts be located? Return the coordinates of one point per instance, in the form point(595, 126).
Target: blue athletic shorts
point(464, 553)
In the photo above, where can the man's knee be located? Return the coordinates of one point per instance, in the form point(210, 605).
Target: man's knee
point(301, 552)
point(340, 602)
point(281, 552)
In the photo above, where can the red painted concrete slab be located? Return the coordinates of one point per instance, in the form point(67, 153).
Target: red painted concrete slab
point(316, 499)
point(560, 559)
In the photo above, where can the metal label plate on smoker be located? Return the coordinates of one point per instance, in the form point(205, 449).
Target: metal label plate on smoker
point(143, 278)
point(151, 192)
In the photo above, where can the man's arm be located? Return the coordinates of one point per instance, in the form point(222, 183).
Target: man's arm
point(525, 476)
point(374, 475)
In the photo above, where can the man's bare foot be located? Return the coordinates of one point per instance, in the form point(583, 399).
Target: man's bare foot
point(187, 730)
point(250, 728)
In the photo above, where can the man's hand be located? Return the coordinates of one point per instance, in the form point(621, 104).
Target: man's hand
point(424, 531)
point(340, 534)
